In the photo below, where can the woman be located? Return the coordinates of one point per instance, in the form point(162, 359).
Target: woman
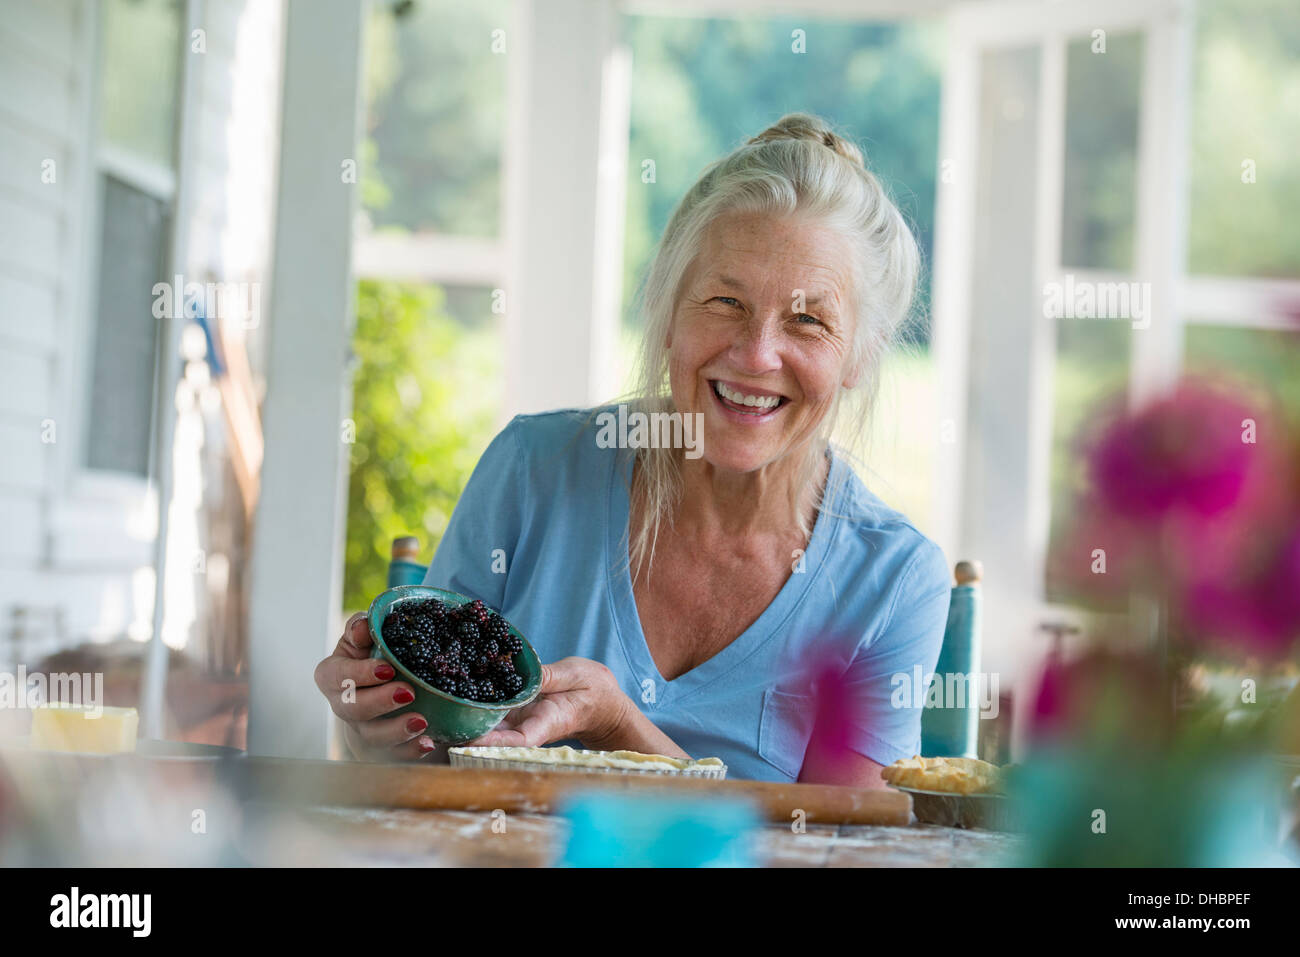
point(749, 599)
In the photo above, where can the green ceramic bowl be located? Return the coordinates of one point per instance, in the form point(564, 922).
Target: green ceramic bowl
point(452, 720)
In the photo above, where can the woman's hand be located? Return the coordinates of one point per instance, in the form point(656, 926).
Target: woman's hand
point(580, 698)
point(361, 690)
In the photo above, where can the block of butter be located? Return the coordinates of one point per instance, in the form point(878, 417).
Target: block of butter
point(96, 730)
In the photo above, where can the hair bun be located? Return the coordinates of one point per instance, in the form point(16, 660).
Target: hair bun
point(805, 126)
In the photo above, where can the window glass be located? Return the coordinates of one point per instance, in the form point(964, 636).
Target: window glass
point(435, 116)
point(1245, 125)
point(126, 332)
point(1092, 370)
point(1102, 96)
point(140, 77)
point(1262, 362)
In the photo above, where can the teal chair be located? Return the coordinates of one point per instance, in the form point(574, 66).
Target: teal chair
point(952, 728)
point(404, 568)
point(947, 731)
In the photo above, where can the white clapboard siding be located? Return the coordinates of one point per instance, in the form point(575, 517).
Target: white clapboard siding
point(47, 29)
point(29, 241)
point(22, 520)
point(26, 314)
point(35, 167)
point(26, 396)
point(24, 464)
point(38, 92)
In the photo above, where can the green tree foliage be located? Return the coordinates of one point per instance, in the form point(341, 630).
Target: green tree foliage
point(422, 419)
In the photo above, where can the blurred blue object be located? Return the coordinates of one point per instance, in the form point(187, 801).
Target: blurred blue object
point(214, 357)
point(618, 830)
point(1103, 808)
point(952, 730)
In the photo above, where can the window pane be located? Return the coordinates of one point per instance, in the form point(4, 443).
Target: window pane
point(120, 418)
point(1092, 369)
point(1101, 127)
point(1245, 125)
point(426, 394)
point(435, 122)
point(140, 81)
point(1263, 362)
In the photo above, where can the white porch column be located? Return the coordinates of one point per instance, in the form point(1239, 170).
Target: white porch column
point(297, 565)
point(565, 166)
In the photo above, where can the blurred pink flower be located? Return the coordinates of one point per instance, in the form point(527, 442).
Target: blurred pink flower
point(1181, 452)
point(1194, 499)
point(1257, 605)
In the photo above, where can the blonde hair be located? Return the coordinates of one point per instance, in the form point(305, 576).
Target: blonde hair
point(798, 166)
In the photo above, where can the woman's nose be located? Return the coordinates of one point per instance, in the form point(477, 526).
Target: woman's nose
point(757, 347)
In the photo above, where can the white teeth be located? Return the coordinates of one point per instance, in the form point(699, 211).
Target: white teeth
point(756, 401)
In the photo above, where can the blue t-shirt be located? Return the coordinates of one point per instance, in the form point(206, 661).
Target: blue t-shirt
point(540, 533)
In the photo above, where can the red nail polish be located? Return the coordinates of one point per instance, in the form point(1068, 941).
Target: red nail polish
point(403, 697)
point(426, 745)
point(385, 672)
point(416, 723)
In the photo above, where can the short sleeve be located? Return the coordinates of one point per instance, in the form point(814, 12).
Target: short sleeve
point(886, 725)
point(478, 548)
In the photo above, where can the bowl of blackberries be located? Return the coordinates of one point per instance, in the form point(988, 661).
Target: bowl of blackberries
point(467, 665)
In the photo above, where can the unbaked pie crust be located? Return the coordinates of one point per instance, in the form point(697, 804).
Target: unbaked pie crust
point(565, 755)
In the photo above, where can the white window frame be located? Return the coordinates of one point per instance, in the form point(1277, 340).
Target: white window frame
point(84, 484)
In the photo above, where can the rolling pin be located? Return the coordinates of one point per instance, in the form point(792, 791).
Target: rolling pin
point(442, 788)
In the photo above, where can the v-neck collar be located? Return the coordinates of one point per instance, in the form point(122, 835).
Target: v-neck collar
point(627, 619)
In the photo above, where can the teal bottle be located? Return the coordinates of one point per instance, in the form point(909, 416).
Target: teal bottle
point(403, 569)
point(950, 723)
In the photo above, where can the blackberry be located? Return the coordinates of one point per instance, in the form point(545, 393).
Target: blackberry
point(512, 644)
point(496, 628)
point(512, 684)
point(467, 632)
point(476, 612)
point(490, 647)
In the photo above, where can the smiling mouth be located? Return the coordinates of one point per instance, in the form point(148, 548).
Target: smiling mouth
point(746, 403)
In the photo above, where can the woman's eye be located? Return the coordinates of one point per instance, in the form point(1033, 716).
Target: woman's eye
point(805, 319)
point(727, 300)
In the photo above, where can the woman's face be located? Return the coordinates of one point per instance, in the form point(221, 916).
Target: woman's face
point(761, 336)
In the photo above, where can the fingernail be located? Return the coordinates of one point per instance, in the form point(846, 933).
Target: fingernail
point(384, 672)
point(426, 745)
point(416, 723)
point(403, 697)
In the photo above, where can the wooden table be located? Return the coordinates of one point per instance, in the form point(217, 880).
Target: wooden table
point(355, 836)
